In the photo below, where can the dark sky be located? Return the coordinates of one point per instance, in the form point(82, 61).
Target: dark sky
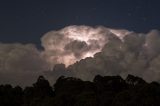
point(25, 21)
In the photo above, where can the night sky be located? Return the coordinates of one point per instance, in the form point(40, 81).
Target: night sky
point(27, 21)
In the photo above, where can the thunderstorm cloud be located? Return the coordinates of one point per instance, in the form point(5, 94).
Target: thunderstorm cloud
point(83, 52)
point(74, 43)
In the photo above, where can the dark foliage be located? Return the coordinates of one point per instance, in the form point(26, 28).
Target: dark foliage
point(103, 91)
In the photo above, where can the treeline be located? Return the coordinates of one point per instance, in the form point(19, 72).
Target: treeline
point(103, 91)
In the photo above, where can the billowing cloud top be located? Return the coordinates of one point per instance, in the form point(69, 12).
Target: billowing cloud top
point(86, 51)
point(74, 43)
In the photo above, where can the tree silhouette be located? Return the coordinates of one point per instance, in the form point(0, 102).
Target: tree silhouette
point(69, 91)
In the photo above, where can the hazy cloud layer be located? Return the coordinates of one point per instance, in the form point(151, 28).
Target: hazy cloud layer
point(19, 63)
point(86, 51)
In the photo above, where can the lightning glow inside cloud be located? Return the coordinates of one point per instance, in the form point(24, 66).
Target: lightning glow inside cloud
point(86, 51)
point(74, 43)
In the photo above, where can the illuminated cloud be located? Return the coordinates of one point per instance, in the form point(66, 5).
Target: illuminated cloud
point(74, 43)
point(82, 51)
point(136, 53)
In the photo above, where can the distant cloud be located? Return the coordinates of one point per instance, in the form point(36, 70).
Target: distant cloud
point(136, 53)
point(18, 61)
point(86, 51)
point(74, 43)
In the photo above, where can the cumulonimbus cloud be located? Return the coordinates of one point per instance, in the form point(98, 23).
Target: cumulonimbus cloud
point(136, 53)
point(86, 51)
point(74, 43)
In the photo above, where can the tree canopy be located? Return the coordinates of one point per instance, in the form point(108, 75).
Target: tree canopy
point(69, 91)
